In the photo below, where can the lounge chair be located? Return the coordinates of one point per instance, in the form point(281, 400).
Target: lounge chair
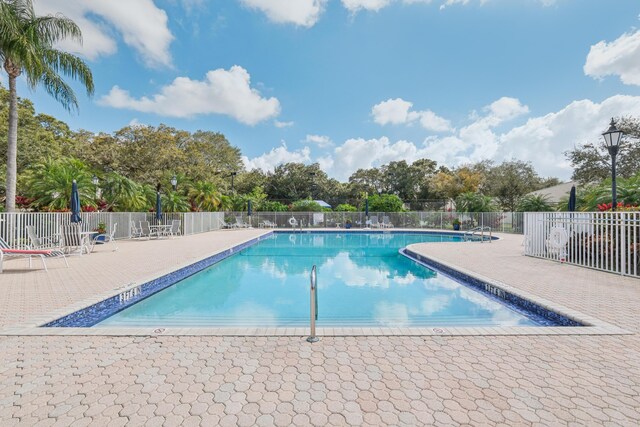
point(145, 230)
point(136, 232)
point(8, 252)
point(240, 223)
point(107, 238)
point(268, 224)
point(74, 240)
point(175, 228)
point(36, 242)
point(226, 225)
point(373, 222)
point(386, 223)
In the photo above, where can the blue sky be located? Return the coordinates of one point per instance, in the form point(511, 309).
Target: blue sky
point(358, 83)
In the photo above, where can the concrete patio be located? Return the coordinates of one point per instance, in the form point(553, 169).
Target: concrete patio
point(359, 380)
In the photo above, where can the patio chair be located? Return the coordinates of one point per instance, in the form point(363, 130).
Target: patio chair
point(7, 252)
point(136, 232)
point(240, 223)
point(226, 225)
point(268, 224)
point(73, 240)
point(175, 228)
point(386, 223)
point(373, 222)
point(106, 238)
point(36, 242)
point(145, 230)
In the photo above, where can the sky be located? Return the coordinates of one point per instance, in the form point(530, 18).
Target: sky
point(356, 84)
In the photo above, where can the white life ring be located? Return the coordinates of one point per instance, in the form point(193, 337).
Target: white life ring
point(558, 238)
point(293, 222)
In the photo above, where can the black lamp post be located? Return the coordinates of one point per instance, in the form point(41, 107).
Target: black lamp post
point(312, 175)
point(612, 139)
point(174, 182)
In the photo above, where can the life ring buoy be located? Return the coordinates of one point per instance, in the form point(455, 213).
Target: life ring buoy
point(293, 222)
point(558, 238)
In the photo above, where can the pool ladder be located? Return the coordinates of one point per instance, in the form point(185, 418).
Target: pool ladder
point(470, 235)
point(314, 305)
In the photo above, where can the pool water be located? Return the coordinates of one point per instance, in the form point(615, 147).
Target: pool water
point(362, 281)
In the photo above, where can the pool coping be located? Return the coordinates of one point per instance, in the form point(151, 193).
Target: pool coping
point(33, 327)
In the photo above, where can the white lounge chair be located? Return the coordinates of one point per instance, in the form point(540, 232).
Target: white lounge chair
point(175, 228)
point(74, 240)
point(386, 223)
point(268, 224)
point(136, 232)
point(107, 238)
point(7, 252)
point(146, 231)
point(240, 223)
point(373, 222)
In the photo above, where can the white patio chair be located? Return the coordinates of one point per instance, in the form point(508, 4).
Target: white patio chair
point(386, 223)
point(73, 240)
point(146, 231)
point(136, 232)
point(240, 223)
point(175, 228)
point(36, 242)
point(373, 222)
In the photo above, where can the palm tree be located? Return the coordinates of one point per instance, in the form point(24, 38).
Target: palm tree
point(535, 203)
point(205, 195)
point(26, 46)
point(123, 194)
point(49, 183)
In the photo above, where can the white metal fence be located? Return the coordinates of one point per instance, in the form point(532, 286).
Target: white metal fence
point(506, 222)
point(48, 224)
point(607, 241)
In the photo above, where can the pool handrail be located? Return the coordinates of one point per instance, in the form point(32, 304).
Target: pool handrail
point(314, 305)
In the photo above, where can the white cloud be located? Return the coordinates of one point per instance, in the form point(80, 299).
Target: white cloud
point(221, 92)
point(621, 57)
point(141, 24)
point(354, 6)
point(397, 111)
point(277, 156)
point(281, 125)
point(304, 13)
point(320, 140)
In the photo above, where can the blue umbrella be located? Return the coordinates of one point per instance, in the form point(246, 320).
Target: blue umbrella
point(249, 210)
point(75, 203)
point(366, 208)
point(572, 199)
point(158, 207)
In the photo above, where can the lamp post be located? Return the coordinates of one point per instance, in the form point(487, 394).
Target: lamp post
point(312, 175)
point(612, 139)
point(95, 182)
point(174, 182)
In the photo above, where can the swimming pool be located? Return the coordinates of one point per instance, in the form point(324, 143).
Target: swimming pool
point(362, 281)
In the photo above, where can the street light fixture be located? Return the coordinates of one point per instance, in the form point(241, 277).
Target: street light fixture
point(95, 180)
point(612, 139)
point(174, 182)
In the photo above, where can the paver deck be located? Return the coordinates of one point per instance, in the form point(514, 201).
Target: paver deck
point(383, 380)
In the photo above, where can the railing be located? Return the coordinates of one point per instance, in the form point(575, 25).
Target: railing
point(606, 241)
point(476, 232)
point(505, 222)
point(47, 224)
point(313, 306)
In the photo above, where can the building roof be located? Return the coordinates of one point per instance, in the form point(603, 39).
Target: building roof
point(323, 203)
point(556, 193)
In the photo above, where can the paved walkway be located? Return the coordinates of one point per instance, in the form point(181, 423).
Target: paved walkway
point(172, 380)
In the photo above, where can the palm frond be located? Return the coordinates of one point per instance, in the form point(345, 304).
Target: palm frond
point(53, 28)
point(56, 87)
point(70, 65)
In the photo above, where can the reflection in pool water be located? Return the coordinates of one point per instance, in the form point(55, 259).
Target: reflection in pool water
point(362, 281)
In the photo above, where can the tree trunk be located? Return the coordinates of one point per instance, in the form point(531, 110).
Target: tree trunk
point(12, 146)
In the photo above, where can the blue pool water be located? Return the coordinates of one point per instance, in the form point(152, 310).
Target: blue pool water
point(362, 281)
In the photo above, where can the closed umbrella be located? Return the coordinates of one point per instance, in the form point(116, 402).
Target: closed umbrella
point(249, 210)
point(366, 208)
point(572, 199)
point(75, 203)
point(158, 207)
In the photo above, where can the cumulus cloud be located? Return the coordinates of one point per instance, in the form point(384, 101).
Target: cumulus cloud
point(304, 13)
point(142, 25)
point(621, 58)
point(221, 92)
point(398, 111)
point(541, 140)
point(277, 156)
point(354, 6)
point(319, 140)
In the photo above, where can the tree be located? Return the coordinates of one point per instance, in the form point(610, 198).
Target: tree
point(123, 194)
point(205, 196)
point(343, 207)
point(592, 162)
point(49, 183)
point(535, 203)
point(26, 47)
point(510, 181)
point(385, 203)
point(474, 202)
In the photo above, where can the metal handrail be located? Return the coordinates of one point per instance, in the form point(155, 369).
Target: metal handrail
point(471, 233)
point(314, 305)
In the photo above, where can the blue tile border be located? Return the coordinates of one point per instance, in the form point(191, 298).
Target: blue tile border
point(530, 309)
point(89, 316)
